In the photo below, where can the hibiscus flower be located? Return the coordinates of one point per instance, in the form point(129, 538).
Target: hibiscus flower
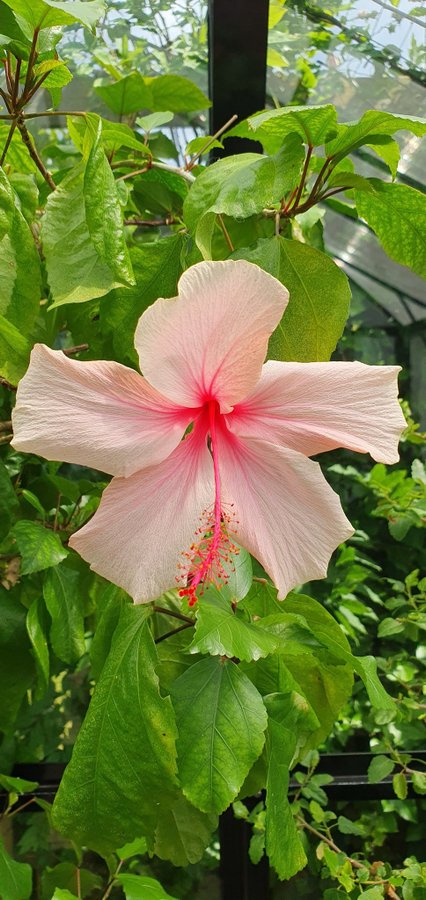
point(211, 446)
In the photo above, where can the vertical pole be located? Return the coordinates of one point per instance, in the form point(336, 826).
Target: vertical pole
point(238, 37)
point(240, 879)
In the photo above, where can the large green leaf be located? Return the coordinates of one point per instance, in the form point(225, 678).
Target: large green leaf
point(15, 351)
point(223, 631)
point(46, 13)
point(104, 214)
point(83, 274)
point(16, 664)
point(240, 186)
point(37, 633)
point(64, 602)
point(108, 616)
point(113, 134)
point(127, 95)
point(183, 832)
point(18, 158)
point(176, 93)
point(124, 755)
point(397, 213)
point(314, 124)
point(141, 887)
point(8, 501)
point(15, 878)
point(319, 298)
point(40, 549)
point(282, 840)
point(221, 721)
point(157, 268)
point(372, 123)
point(20, 278)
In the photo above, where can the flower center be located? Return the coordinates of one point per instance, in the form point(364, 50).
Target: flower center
point(209, 557)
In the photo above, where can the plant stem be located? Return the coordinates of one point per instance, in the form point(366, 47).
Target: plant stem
point(69, 351)
point(210, 141)
point(174, 614)
point(150, 222)
point(303, 178)
point(8, 141)
point(33, 153)
point(110, 884)
point(225, 233)
point(175, 631)
point(31, 60)
point(16, 83)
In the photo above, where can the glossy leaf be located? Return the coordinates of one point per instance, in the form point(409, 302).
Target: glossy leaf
point(240, 186)
point(104, 214)
point(396, 213)
point(314, 124)
point(20, 278)
point(373, 122)
point(46, 13)
point(221, 721)
point(319, 298)
point(223, 631)
point(40, 549)
point(82, 275)
point(124, 754)
point(183, 832)
point(141, 887)
point(62, 594)
point(15, 878)
point(283, 843)
point(37, 631)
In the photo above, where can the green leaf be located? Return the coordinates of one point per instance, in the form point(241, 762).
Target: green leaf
point(104, 215)
point(20, 278)
point(283, 843)
point(60, 880)
point(46, 13)
point(183, 832)
point(17, 785)
point(157, 268)
point(40, 549)
point(82, 275)
point(65, 606)
point(15, 878)
point(346, 826)
point(16, 664)
point(154, 120)
point(141, 887)
point(138, 847)
point(56, 80)
point(372, 123)
point(221, 719)
point(240, 186)
point(14, 352)
point(18, 158)
point(379, 768)
point(126, 96)
point(388, 627)
point(240, 574)
point(114, 135)
point(113, 600)
point(350, 181)
point(26, 192)
point(9, 505)
point(176, 93)
point(221, 631)
point(397, 214)
point(419, 782)
point(124, 754)
point(197, 145)
point(399, 783)
point(314, 124)
point(36, 628)
point(387, 149)
point(319, 298)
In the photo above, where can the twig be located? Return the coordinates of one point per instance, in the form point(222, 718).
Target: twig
point(7, 384)
point(69, 351)
point(151, 222)
point(303, 178)
point(177, 170)
point(225, 233)
point(133, 174)
point(6, 425)
point(20, 808)
point(174, 614)
point(8, 140)
point(55, 112)
point(78, 882)
point(33, 153)
point(175, 631)
point(210, 141)
point(354, 862)
point(110, 884)
point(6, 439)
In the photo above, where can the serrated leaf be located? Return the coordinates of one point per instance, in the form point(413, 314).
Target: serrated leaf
point(387, 149)
point(47, 13)
point(221, 721)
point(15, 878)
point(379, 768)
point(319, 298)
point(240, 186)
point(283, 843)
point(397, 214)
point(141, 887)
point(176, 93)
point(40, 549)
point(113, 600)
point(222, 631)
point(82, 275)
point(124, 754)
point(64, 602)
point(372, 122)
point(183, 832)
point(104, 215)
point(314, 124)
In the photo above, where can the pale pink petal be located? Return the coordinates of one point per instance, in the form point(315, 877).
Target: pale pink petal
point(98, 414)
point(287, 515)
point(146, 523)
point(313, 407)
point(210, 341)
